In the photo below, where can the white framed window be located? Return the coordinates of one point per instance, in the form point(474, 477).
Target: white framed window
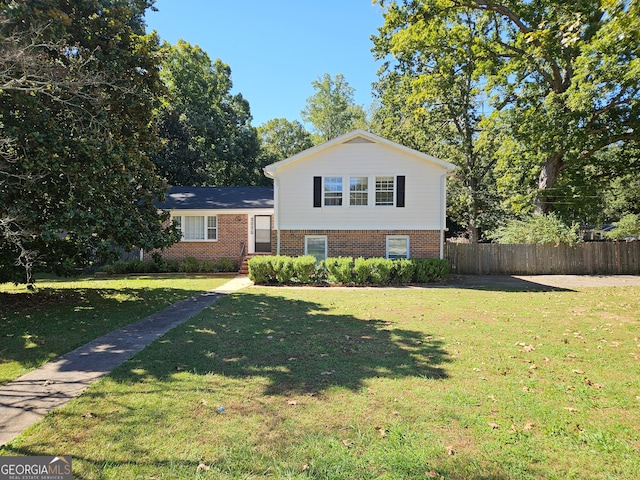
point(359, 191)
point(385, 189)
point(332, 191)
point(197, 227)
point(397, 246)
point(212, 228)
point(316, 245)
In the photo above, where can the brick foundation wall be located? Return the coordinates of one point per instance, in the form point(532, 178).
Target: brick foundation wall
point(232, 231)
point(360, 243)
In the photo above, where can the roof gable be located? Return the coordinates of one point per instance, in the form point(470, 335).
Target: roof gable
point(356, 136)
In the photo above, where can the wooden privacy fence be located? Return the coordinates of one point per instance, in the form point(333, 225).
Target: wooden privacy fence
point(592, 258)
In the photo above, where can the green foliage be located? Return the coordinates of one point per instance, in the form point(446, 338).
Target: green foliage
point(283, 267)
point(431, 270)
point(561, 78)
point(403, 271)
point(261, 270)
point(189, 265)
point(78, 87)
point(433, 102)
point(332, 110)
point(207, 134)
point(161, 265)
point(537, 229)
point(376, 271)
point(226, 265)
point(280, 139)
point(627, 227)
point(346, 270)
point(208, 266)
point(304, 268)
point(340, 270)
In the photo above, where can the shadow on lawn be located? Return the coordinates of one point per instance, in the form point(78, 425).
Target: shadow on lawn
point(505, 283)
point(300, 347)
point(38, 326)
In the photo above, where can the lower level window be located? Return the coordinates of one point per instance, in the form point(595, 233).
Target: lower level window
point(197, 227)
point(316, 245)
point(397, 246)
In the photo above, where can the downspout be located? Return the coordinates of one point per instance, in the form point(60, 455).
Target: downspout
point(443, 209)
point(276, 212)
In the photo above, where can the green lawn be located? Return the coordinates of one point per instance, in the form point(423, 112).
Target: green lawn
point(370, 383)
point(60, 315)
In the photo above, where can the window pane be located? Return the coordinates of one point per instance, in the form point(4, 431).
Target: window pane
point(212, 228)
point(316, 246)
point(333, 191)
point(397, 247)
point(384, 190)
point(193, 228)
point(358, 190)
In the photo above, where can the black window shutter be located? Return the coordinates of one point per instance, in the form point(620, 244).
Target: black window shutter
point(317, 191)
point(400, 181)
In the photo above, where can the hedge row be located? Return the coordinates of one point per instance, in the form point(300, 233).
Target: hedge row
point(161, 265)
point(346, 270)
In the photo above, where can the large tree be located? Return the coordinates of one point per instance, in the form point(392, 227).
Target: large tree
point(78, 83)
point(207, 134)
point(332, 110)
point(431, 99)
point(280, 139)
point(563, 76)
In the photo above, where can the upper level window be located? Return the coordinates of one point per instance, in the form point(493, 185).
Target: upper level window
point(358, 191)
point(197, 227)
point(332, 191)
point(384, 190)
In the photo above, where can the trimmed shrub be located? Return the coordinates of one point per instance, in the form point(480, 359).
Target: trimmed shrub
point(345, 271)
point(208, 266)
point(282, 268)
point(171, 265)
point(431, 270)
point(375, 271)
point(261, 270)
point(340, 270)
point(226, 265)
point(189, 265)
point(403, 271)
point(304, 268)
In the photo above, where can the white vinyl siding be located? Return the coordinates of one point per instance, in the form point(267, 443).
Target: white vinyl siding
point(197, 227)
point(359, 191)
point(397, 246)
point(316, 245)
point(422, 190)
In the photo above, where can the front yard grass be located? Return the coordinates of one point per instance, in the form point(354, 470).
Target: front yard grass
point(370, 383)
point(61, 315)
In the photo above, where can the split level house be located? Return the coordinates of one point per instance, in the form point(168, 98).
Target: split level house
point(356, 195)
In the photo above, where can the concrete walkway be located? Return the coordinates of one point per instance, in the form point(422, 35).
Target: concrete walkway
point(30, 397)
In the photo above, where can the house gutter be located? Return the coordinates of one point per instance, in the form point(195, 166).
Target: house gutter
point(276, 212)
point(276, 201)
point(443, 208)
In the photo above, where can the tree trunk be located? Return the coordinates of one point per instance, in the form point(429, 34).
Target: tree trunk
point(547, 181)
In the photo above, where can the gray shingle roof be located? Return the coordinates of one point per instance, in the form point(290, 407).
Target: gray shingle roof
point(217, 198)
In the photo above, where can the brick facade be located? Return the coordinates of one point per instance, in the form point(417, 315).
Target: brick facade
point(360, 243)
point(232, 231)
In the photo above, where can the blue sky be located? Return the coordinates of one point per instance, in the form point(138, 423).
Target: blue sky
point(276, 48)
